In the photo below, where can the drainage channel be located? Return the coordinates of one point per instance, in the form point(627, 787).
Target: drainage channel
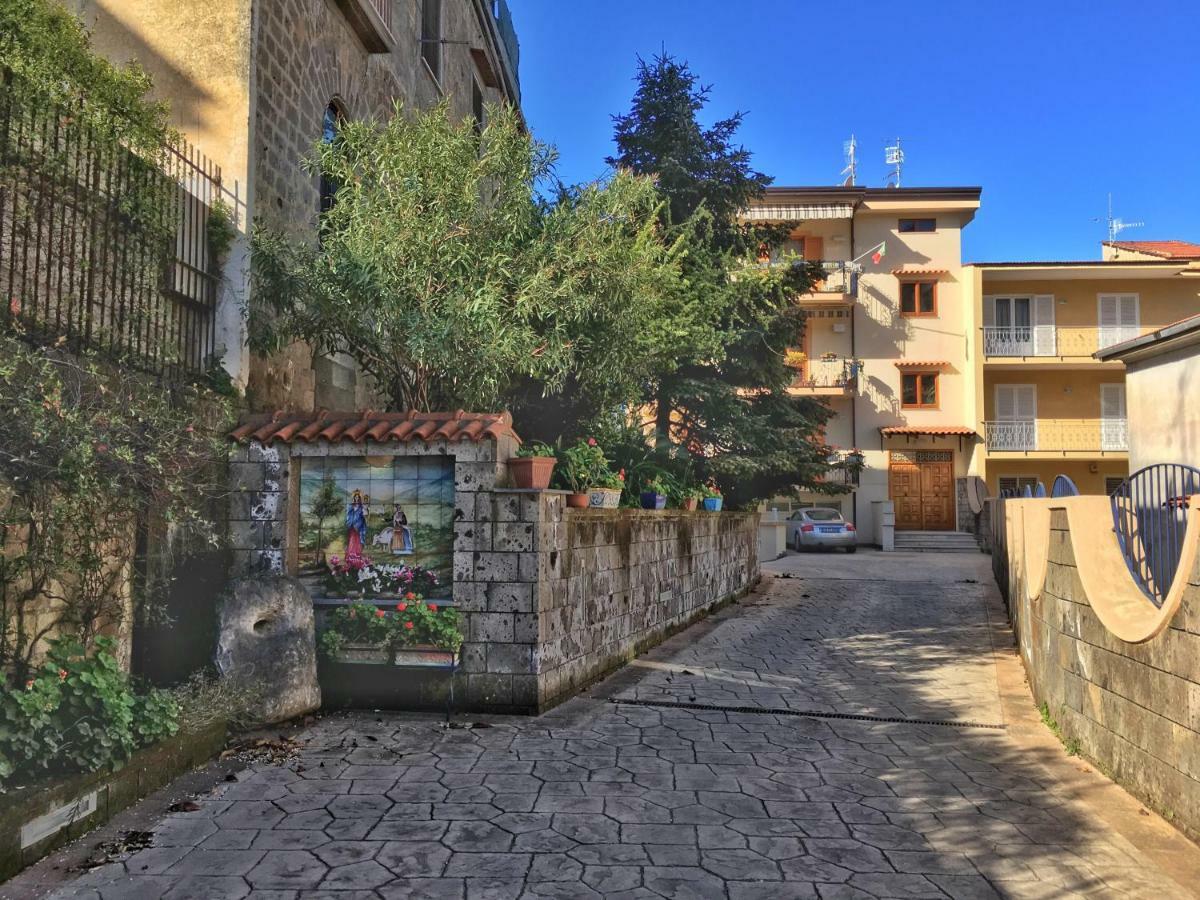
point(806, 713)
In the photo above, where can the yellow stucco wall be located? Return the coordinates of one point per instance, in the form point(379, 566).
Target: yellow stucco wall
point(1046, 470)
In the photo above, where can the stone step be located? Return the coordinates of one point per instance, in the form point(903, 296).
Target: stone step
point(936, 542)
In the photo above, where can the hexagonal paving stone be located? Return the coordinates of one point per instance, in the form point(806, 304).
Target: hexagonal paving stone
point(363, 876)
point(477, 836)
point(281, 869)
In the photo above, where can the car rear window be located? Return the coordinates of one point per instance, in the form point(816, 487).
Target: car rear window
point(824, 515)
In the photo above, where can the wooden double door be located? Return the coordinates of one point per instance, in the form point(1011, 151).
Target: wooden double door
point(921, 485)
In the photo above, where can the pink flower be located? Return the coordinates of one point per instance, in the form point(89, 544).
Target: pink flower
point(408, 625)
point(379, 614)
point(62, 674)
point(591, 442)
point(401, 606)
point(29, 685)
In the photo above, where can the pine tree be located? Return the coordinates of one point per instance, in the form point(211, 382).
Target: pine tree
point(726, 398)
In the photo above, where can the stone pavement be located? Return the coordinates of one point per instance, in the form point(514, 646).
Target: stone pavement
point(617, 799)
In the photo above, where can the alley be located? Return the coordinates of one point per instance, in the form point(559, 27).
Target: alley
point(846, 731)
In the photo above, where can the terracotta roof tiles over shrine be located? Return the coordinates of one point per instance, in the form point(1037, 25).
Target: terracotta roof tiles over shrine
point(323, 425)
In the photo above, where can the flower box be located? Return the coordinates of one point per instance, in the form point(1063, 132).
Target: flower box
point(604, 498)
point(418, 656)
point(531, 472)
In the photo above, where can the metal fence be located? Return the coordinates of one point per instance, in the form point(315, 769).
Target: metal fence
point(100, 248)
point(1150, 518)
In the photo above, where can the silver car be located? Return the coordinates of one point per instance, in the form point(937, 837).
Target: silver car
point(820, 527)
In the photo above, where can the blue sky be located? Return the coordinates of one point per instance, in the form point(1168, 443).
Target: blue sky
point(1047, 105)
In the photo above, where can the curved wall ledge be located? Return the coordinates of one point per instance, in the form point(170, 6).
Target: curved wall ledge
point(1111, 591)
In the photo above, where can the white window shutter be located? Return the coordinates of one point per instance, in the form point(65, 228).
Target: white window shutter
point(1044, 342)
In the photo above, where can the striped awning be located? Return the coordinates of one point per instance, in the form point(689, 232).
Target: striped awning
point(804, 211)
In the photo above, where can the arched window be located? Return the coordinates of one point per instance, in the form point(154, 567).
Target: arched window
point(334, 117)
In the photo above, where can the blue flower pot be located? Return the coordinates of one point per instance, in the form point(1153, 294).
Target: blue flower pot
point(652, 500)
point(713, 504)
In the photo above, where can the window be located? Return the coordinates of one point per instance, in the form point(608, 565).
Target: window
point(910, 226)
point(1112, 484)
point(919, 390)
point(334, 117)
point(1119, 317)
point(918, 298)
point(1016, 484)
point(431, 36)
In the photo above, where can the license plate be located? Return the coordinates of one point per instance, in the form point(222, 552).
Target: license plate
point(833, 529)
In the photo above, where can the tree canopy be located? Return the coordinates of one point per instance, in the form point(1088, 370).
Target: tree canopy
point(730, 405)
point(452, 280)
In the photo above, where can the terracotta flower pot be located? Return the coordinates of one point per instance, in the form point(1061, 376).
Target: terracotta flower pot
point(577, 501)
point(689, 503)
point(531, 472)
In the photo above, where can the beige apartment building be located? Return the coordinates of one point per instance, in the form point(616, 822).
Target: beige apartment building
point(943, 374)
point(253, 84)
point(1049, 401)
point(887, 343)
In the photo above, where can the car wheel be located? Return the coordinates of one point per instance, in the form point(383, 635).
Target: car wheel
point(851, 549)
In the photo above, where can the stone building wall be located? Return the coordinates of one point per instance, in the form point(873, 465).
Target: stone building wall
point(307, 55)
point(1133, 708)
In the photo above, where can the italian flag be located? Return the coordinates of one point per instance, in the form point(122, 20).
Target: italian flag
point(880, 253)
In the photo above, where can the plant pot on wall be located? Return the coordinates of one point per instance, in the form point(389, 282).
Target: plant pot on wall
point(531, 472)
point(577, 501)
point(604, 498)
point(690, 503)
point(713, 504)
point(653, 500)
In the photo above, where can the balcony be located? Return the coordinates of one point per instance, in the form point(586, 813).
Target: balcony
point(839, 284)
point(1022, 342)
point(825, 377)
point(1057, 436)
point(371, 21)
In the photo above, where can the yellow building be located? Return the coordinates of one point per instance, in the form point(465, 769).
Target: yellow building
point(1045, 406)
point(887, 341)
point(940, 373)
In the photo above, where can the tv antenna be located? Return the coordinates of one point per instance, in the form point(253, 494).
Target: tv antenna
point(1116, 226)
point(850, 151)
point(894, 156)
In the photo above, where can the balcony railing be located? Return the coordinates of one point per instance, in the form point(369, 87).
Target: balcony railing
point(839, 277)
point(838, 372)
point(1067, 435)
point(102, 249)
point(1051, 340)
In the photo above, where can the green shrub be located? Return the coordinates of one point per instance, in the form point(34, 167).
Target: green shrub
point(411, 622)
point(78, 713)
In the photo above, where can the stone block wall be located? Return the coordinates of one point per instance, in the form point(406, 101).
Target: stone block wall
point(1133, 708)
point(550, 598)
point(612, 583)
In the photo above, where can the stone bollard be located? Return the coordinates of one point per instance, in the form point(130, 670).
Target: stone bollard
point(266, 640)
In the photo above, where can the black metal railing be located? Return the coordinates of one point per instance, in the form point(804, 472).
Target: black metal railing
point(102, 249)
point(1063, 487)
point(1150, 519)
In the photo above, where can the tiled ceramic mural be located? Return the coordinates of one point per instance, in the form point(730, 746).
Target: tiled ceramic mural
point(391, 510)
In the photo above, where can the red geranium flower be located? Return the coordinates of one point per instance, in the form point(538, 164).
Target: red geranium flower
point(591, 442)
point(379, 614)
point(62, 674)
point(401, 607)
point(408, 625)
point(410, 596)
point(29, 685)
point(433, 607)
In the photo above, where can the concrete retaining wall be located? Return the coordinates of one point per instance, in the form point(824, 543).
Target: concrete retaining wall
point(1133, 708)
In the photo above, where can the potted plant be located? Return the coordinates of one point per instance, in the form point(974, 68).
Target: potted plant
point(690, 498)
point(532, 466)
point(413, 632)
point(712, 499)
point(654, 492)
point(607, 487)
point(574, 472)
